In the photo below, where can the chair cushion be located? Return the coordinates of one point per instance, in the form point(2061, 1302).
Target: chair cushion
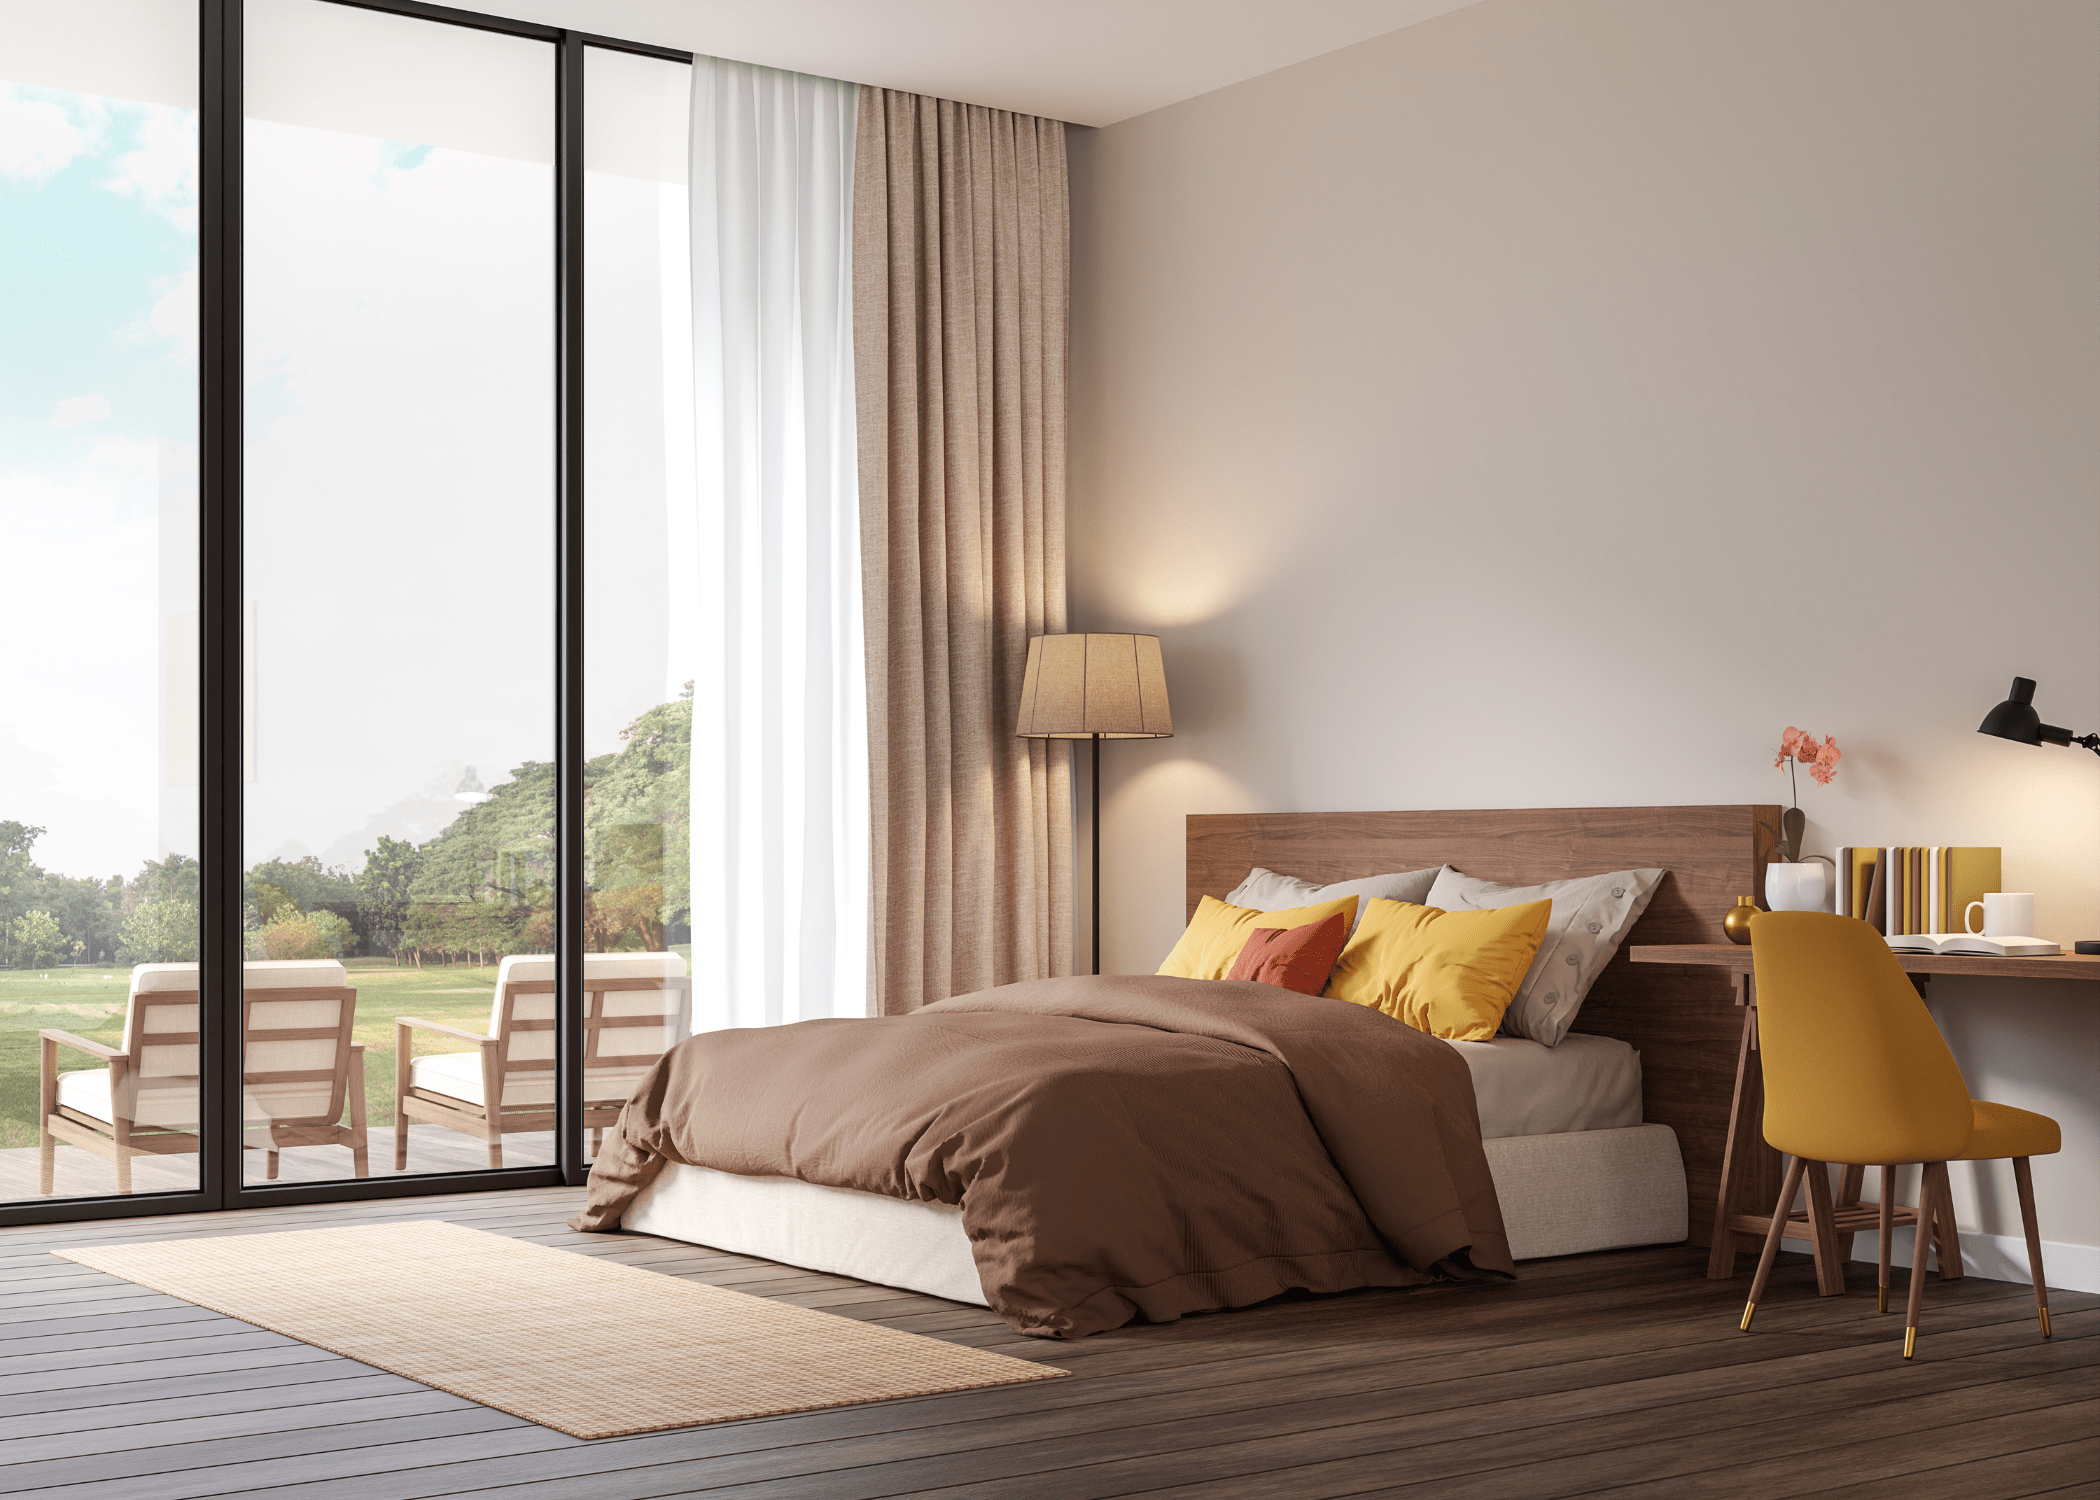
point(2002, 1131)
point(86, 1091)
point(457, 1075)
point(164, 1103)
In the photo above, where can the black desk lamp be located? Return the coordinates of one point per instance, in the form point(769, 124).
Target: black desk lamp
point(1095, 687)
point(2015, 719)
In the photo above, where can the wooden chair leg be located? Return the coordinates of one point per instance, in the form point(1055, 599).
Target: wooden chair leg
point(1930, 1190)
point(597, 1139)
point(47, 1106)
point(493, 1125)
point(403, 1039)
point(121, 1155)
point(1772, 1236)
point(1822, 1229)
point(2023, 1179)
point(270, 1163)
point(1888, 1232)
point(358, 1140)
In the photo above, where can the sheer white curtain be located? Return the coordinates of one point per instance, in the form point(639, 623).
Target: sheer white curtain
point(780, 758)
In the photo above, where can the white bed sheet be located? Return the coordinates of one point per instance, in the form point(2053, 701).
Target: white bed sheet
point(1525, 1088)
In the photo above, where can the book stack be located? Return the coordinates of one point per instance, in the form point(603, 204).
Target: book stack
point(1914, 889)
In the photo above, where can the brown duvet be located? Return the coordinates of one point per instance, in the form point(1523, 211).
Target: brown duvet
point(1121, 1146)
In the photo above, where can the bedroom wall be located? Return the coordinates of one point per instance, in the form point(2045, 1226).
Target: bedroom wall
point(1547, 404)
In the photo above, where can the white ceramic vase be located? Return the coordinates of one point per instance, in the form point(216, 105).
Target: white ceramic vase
point(1797, 887)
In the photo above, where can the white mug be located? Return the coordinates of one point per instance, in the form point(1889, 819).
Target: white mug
point(2005, 914)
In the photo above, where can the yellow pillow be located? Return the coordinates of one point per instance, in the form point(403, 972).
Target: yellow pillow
point(1217, 933)
point(1449, 973)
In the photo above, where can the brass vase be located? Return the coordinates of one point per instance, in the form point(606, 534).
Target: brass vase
point(1737, 923)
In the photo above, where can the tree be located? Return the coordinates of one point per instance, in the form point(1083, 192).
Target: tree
point(383, 888)
point(21, 881)
point(38, 940)
point(87, 910)
point(160, 932)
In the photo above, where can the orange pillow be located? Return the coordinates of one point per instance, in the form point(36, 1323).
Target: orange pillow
point(1293, 958)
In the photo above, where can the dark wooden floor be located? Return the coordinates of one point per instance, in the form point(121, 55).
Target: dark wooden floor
point(1618, 1374)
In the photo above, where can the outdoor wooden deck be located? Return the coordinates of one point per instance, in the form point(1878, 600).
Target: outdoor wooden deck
point(1618, 1373)
point(431, 1148)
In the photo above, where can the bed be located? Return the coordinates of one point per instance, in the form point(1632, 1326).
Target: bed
point(1611, 1139)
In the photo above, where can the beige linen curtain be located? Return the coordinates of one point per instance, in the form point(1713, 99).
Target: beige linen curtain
point(959, 314)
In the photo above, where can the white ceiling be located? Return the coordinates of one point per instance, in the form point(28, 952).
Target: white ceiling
point(1092, 62)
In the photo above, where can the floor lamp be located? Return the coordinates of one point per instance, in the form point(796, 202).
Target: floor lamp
point(1095, 688)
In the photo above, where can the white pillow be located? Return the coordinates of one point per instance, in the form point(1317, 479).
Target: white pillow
point(1265, 890)
point(1591, 917)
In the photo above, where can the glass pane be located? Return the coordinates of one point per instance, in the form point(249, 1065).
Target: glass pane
point(638, 452)
point(98, 509)
point(400, 586)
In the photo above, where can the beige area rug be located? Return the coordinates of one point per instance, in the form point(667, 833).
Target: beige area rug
point(569, 1341)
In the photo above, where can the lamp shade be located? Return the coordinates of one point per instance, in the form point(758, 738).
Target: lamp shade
point(2015, 719)
point(1079, 687)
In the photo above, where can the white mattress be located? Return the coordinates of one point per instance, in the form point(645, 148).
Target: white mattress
point(1526, 1088)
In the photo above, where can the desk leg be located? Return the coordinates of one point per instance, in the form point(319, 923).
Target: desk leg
point(1822, 1232)
point(1850, 1187)
point(1744, 1139)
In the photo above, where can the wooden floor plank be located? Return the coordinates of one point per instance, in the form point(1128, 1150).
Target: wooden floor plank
point(1613, 1373)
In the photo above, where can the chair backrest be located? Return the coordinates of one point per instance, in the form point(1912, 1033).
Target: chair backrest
point(295, 1039)
point(636, 1005)
point(1855, 1070)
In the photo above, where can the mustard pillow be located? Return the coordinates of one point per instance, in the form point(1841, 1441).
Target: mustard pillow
point(1449, 973)
point(1217, 932)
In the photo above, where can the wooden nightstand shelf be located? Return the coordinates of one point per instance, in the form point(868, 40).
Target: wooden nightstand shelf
point(1830, 1221)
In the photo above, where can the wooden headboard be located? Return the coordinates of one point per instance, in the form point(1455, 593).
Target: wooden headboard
point(1683, 1021)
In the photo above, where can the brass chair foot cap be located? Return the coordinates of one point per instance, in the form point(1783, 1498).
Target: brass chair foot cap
point(2045, 1322)
point(1750, 1311)
point(1910, 1342)
point(1883, 1304)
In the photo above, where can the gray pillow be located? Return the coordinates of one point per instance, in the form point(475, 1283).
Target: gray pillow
point(1591, 917)
point(1265, 890)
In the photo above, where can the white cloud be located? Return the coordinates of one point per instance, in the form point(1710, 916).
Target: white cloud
point(40, 136)
point(162, 171)
point(78, 411)
point(172, 318)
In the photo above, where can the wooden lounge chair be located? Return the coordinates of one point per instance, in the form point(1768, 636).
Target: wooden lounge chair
point(635, 1006)
point(298, 1065)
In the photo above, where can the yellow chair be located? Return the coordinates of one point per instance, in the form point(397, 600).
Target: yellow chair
point(1857, 1073)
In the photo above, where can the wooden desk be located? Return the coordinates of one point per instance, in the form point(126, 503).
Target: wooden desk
point(1746, 1159)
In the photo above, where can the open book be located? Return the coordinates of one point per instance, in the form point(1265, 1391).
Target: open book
point(1969, 944)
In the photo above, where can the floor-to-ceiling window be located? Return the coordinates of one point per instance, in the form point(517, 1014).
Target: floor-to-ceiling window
point(639, 486)
point(98, 671)
point(399, 497)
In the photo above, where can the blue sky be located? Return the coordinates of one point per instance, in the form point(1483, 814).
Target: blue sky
point(97, 397)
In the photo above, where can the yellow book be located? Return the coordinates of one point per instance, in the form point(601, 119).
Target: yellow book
point(1970, 874)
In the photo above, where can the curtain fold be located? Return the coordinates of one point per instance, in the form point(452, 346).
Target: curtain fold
point(960, 293)
point(779, 771)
